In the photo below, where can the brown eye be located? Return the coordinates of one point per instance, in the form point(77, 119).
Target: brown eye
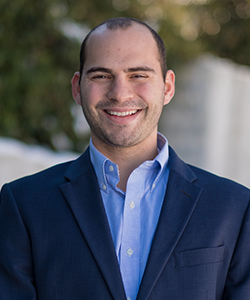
point(100, 77)
point(139, 76)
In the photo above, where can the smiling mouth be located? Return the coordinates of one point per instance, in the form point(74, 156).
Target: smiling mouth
point(121, 114)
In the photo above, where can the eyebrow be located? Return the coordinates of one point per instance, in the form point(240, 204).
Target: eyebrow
point(138, 69)
point(98, 69)
point(129, 70)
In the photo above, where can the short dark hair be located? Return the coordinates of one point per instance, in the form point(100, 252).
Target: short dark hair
point(123, 23)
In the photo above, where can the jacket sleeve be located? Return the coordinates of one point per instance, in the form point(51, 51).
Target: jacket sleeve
point(16, 267)
point(238, 278)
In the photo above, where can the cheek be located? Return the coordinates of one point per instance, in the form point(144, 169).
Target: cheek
point(91, 95)
point(144, 91)
point(151, 94)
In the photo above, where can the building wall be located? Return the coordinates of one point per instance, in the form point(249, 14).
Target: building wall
point(18, 159)
point(208, 121)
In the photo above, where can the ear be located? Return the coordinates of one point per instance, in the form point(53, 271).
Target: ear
point(76, 88)
point(169, 86)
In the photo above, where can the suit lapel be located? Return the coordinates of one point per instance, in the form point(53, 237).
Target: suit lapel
point(83, 196)
point(180, 200)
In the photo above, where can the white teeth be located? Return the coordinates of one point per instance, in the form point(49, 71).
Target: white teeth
point(121, 114)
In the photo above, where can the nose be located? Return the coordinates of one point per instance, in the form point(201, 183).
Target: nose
point(120, 90)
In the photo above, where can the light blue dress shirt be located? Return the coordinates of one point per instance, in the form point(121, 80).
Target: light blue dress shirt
point(133, 216)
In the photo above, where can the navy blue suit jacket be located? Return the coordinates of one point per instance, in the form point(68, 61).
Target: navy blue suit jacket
point(55, 241)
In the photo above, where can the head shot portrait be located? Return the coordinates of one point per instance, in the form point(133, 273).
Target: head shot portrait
point(128, 219)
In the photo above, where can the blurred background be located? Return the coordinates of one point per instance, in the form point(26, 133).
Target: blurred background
point(207, 43)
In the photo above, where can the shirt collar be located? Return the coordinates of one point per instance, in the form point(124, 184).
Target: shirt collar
point(162, 145)
point(100, 161)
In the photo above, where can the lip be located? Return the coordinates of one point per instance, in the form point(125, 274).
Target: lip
point(121, 116)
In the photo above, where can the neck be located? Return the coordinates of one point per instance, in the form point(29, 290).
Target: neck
point(129, 158)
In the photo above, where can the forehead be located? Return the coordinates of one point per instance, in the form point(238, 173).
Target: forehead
point(135, 40)
point(135, 30)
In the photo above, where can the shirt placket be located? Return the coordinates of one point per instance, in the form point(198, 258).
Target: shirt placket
point(130, 242)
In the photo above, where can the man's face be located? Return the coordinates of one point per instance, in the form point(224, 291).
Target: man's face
point(122, 91)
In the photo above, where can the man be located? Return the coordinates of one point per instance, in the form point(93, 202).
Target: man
point(128, 219)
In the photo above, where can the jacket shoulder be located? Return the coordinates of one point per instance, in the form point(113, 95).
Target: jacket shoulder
point(212, 184)
point(219, 185)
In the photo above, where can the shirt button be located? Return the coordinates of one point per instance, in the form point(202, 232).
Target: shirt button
point(132, 205)
point(130, 251)
point(104, 186)
point(111, 168)
point(153, 186)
